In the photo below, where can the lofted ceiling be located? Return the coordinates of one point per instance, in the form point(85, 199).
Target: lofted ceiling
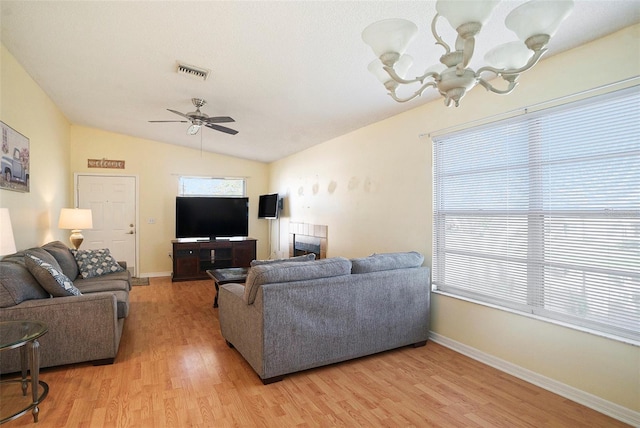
point(292, 74)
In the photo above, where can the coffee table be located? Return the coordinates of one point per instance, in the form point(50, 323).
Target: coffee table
point(24, 334)
point(227, 276)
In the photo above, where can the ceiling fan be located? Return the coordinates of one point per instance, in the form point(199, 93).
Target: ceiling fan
point(198, 119)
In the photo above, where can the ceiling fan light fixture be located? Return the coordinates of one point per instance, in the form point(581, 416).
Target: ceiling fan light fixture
point(199, 119)
point(193, 129)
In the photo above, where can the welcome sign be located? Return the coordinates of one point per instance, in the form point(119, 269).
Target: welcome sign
point(105, 163)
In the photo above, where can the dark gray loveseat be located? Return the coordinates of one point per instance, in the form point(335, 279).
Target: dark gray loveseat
point(82, 328)
point(292, 315)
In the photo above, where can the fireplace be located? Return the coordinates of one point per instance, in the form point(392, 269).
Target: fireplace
point(307, 238)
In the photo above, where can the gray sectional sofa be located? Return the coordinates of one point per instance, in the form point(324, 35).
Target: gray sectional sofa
point(296, 315)
point(83, 326)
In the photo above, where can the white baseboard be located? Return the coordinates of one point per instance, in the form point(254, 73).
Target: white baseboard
point(598, 404)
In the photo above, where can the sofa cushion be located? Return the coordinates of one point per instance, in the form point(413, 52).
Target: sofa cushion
point(104, 282)
point(50, 277)
point(388, 261)
point(64, 257)
point(17, 285)
point(306, 258)
point(293, 271)
point(92, 263)
point(15, 258)
point(109, 282)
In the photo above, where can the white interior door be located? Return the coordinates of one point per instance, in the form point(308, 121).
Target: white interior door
point(112, 200)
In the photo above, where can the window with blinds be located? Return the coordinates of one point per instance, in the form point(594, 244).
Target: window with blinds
point(541, 214)
point(211, 186)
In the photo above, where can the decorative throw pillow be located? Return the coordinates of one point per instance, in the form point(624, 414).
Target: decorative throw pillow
point(50, 277)
point(93, 263)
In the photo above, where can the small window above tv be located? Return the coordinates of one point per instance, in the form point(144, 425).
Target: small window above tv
point(268, 206)
point(211, 186)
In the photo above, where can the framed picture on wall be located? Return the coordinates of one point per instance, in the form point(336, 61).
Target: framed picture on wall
point(14, 163)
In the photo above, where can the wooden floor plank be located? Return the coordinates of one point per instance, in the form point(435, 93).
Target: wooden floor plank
point(175, 369)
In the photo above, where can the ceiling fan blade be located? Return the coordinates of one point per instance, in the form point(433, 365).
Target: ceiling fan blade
point(159, 121)
point(178, 113)
point(219, 119)
point(221, 128)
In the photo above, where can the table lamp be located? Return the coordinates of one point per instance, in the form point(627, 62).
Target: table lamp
point(7, 243)
point(75, 219)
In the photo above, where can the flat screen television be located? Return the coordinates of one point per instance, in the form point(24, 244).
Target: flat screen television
point(268, 206)
point(211, 217)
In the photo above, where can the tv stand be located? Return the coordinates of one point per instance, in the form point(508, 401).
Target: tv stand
point(192, 258)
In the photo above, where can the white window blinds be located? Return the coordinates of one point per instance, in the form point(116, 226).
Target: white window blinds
point(210, 186)
point(541, 214)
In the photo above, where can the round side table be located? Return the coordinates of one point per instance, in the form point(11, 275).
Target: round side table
point(24, 335)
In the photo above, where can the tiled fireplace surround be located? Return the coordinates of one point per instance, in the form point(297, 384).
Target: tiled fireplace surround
point(305, 238)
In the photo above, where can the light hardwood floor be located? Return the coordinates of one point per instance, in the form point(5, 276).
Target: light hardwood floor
point(174, 369)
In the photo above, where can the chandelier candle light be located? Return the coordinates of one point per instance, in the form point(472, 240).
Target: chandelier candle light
point(533, 22)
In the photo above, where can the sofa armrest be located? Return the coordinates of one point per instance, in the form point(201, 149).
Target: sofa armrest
point(81, 328)
point(241, 324)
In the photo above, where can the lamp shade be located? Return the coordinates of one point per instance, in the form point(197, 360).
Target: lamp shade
point(510, 55)
point(75, 218)
point(461, 12)
point(7, 243)
point(538, 17)
point(389, 35)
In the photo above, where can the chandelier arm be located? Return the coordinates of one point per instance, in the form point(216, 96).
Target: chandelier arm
point(439, 40)
point(467, 53)
point(489, 87)
point(507, 72)
point(397, 78)
point(414, 95)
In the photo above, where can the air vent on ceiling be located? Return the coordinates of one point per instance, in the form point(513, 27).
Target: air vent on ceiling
point(193, 71)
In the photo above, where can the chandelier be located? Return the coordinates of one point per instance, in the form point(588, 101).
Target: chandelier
point(533, 22)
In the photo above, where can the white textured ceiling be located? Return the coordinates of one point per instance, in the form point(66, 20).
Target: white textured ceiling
point(291, 73)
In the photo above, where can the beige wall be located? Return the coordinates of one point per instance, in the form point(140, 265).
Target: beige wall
point(27, 109)
point(373, 188)
point(158, 167)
